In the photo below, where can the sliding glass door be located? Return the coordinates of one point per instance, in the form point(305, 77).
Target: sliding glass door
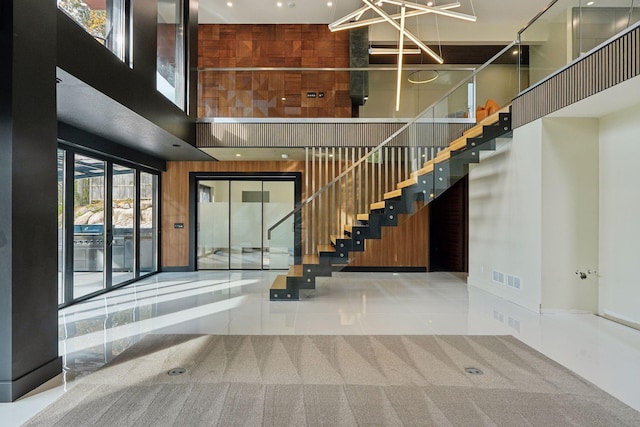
point(234, 216)
point(107, 222)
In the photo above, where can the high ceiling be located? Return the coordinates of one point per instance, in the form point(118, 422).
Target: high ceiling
point(498, 20)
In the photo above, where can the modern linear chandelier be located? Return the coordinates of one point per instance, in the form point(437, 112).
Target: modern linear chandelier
point(352, 20)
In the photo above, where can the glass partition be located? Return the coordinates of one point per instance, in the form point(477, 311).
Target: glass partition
point(103, 19)
point(278, 252)
point(213, 225)
point(567, 30)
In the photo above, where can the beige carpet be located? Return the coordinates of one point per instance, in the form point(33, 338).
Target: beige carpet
point(334, 381)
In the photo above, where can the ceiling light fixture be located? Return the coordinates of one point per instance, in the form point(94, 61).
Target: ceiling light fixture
point(407, 9)
point(238, 155)
point(279, 4)
point(420, 77)
point(591, 3)
point(229, 4)
point(392, 51)
point(329, 3)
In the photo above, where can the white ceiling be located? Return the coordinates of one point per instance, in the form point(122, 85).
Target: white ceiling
point(498, 20)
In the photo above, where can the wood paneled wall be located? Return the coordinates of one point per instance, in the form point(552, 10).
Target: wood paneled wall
point(175, 201)
point(406, 245)
point(272, 93)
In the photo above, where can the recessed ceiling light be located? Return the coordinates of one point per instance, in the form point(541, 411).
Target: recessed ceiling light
point(430, 3)
point(238, 155)
point(229, 4)
point(591, 3)
point(329, 3)
point(283, 99)
point(284, 156)
point(279, 4)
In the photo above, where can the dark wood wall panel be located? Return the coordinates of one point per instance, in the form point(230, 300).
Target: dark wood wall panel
point(406, 245)
point(272, 93)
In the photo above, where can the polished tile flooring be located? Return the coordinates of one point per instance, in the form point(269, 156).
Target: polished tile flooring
point(236, 302)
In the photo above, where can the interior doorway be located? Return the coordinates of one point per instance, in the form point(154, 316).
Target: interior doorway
point(233, 216)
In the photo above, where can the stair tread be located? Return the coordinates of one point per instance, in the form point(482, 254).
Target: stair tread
point(393, 194)
point(488, 121)
point(310, 259)
point(336, 237)
point(426, 169)
point(362, 217)
point(408, 183)
point(377, 205)
point(442, 156)
point(458, 144)
point(280, 282)
point(295, 271)
point(347, 228)
point(326, 248)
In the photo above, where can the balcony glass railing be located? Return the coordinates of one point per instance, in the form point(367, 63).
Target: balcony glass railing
point(332, 93)
point(568, 29)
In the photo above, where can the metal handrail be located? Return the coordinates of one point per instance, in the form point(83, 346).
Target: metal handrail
point(390, 138)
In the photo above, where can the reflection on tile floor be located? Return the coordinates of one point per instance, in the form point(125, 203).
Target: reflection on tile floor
point(236, 302)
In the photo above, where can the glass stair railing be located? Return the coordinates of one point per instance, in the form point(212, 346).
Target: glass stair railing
point(424, 185)
point(365, 200)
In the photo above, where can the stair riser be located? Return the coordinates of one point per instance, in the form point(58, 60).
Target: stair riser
point(284, 295)
point(372, 231)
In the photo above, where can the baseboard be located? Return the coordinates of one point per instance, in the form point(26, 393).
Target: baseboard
point(176, 269)
point(373, 269)
point(10, 391)
point(620, 319)
point(564, 311)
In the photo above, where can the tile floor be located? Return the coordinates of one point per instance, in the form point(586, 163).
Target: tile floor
point(236, 302)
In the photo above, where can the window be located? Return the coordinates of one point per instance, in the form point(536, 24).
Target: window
point(170, 76)
point(103, 19)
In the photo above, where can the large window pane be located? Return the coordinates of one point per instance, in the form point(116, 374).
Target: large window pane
point(170, 77)
point(148, 223)
point(61, 251)
point(88, 226)
point(123, 220)
point(103, 19)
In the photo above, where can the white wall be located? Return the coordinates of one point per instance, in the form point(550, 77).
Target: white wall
point(620, 215)
point(533, 214)
point(505, 217)
point(569, 214)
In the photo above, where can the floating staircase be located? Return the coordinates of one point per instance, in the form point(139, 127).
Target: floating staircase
point(424, 185)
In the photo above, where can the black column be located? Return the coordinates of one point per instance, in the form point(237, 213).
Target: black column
point(28, 197)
